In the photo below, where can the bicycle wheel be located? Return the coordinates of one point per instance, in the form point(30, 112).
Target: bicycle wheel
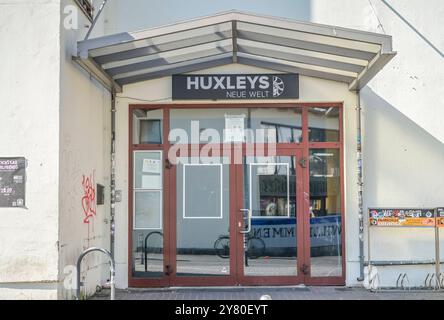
point(256, 248)
point(222, 247)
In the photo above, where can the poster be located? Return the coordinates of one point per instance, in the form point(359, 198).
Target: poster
point(12, 182)
point(384, 217)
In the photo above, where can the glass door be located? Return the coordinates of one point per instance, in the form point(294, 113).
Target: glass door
point(325, 219)
point(208, 205)
point(202, 253)
point(269, 216)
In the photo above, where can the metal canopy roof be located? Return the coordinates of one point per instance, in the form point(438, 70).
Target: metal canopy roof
point(315, 50)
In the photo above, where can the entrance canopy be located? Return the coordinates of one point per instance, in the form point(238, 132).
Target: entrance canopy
point(283, 45)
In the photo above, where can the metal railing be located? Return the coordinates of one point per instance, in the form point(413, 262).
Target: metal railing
point(112, 269)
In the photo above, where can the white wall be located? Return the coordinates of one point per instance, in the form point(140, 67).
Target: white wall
point(142, 14)
point(85, 135)
point(403, 108)
point(159, 91)
point(413, 80)
point(403, 136)
point(29, 125)
point(59, 119)
point(402, 121)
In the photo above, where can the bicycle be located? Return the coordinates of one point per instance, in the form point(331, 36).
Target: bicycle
point(255, 247)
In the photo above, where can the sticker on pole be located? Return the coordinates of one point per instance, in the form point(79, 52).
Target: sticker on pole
point(384, 217)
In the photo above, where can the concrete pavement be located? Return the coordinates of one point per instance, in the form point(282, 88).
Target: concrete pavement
point(277, 293)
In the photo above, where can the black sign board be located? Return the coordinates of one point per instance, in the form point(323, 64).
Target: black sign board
point(12, 182)
point(235, 86)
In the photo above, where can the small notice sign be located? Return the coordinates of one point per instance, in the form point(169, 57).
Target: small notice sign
point(383, 217)
point(151, 166)
point(12, 182)
point(234, 128)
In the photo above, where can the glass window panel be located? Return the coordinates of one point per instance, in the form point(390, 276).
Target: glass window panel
point(148, 253)
point(203, 241)
point(286, 123)
point(148, 213)
point(147, 126)
point(203, 125)
point(148, 210)
point(270, 249)
point(323, 124)
point(325, 213)
point(148, 170)
point(201, 194)
point(269, 189)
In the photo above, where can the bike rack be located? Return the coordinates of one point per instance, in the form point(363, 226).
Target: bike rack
point(434, 285)
point(112, 270)
point(441, 280)
point(397, 281)
point(405, 278)
point(433, 281)
point(145, 255)
point(373, 288)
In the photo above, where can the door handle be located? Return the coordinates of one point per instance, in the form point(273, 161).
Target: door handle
point(249, 221)
point(168, 270)
point(168, 164)
point(304, 269)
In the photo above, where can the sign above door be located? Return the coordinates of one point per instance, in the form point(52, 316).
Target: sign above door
point(235, 86)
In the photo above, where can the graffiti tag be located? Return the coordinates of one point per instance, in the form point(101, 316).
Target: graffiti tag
point(89, 198)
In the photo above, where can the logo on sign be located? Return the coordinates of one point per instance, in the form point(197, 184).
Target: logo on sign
point(278, 86)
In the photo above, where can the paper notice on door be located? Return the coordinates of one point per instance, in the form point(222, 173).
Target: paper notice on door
point(151, 166)
point(234, 128)
point(151, 182)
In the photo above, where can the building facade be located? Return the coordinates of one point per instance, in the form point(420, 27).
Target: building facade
point(175, 211)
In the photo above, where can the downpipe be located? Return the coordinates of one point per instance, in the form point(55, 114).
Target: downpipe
point(113, 173)
point(360, 187)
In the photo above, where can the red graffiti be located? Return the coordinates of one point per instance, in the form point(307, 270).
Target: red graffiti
point(89, 198)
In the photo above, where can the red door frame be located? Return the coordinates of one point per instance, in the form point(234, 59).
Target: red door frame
point(169, 202)
point(272, 280)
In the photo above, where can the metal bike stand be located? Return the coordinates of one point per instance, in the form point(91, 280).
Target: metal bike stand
point(433, 281)
point(112, 269)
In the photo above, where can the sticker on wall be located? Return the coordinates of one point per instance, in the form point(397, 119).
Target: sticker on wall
point(402, 217)
point(12, 182)
point(440, 217)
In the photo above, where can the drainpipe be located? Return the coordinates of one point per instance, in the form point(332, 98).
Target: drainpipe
point(360, 187)
point(113, 170)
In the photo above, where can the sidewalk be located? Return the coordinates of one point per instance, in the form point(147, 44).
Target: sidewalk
point(277, 293)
